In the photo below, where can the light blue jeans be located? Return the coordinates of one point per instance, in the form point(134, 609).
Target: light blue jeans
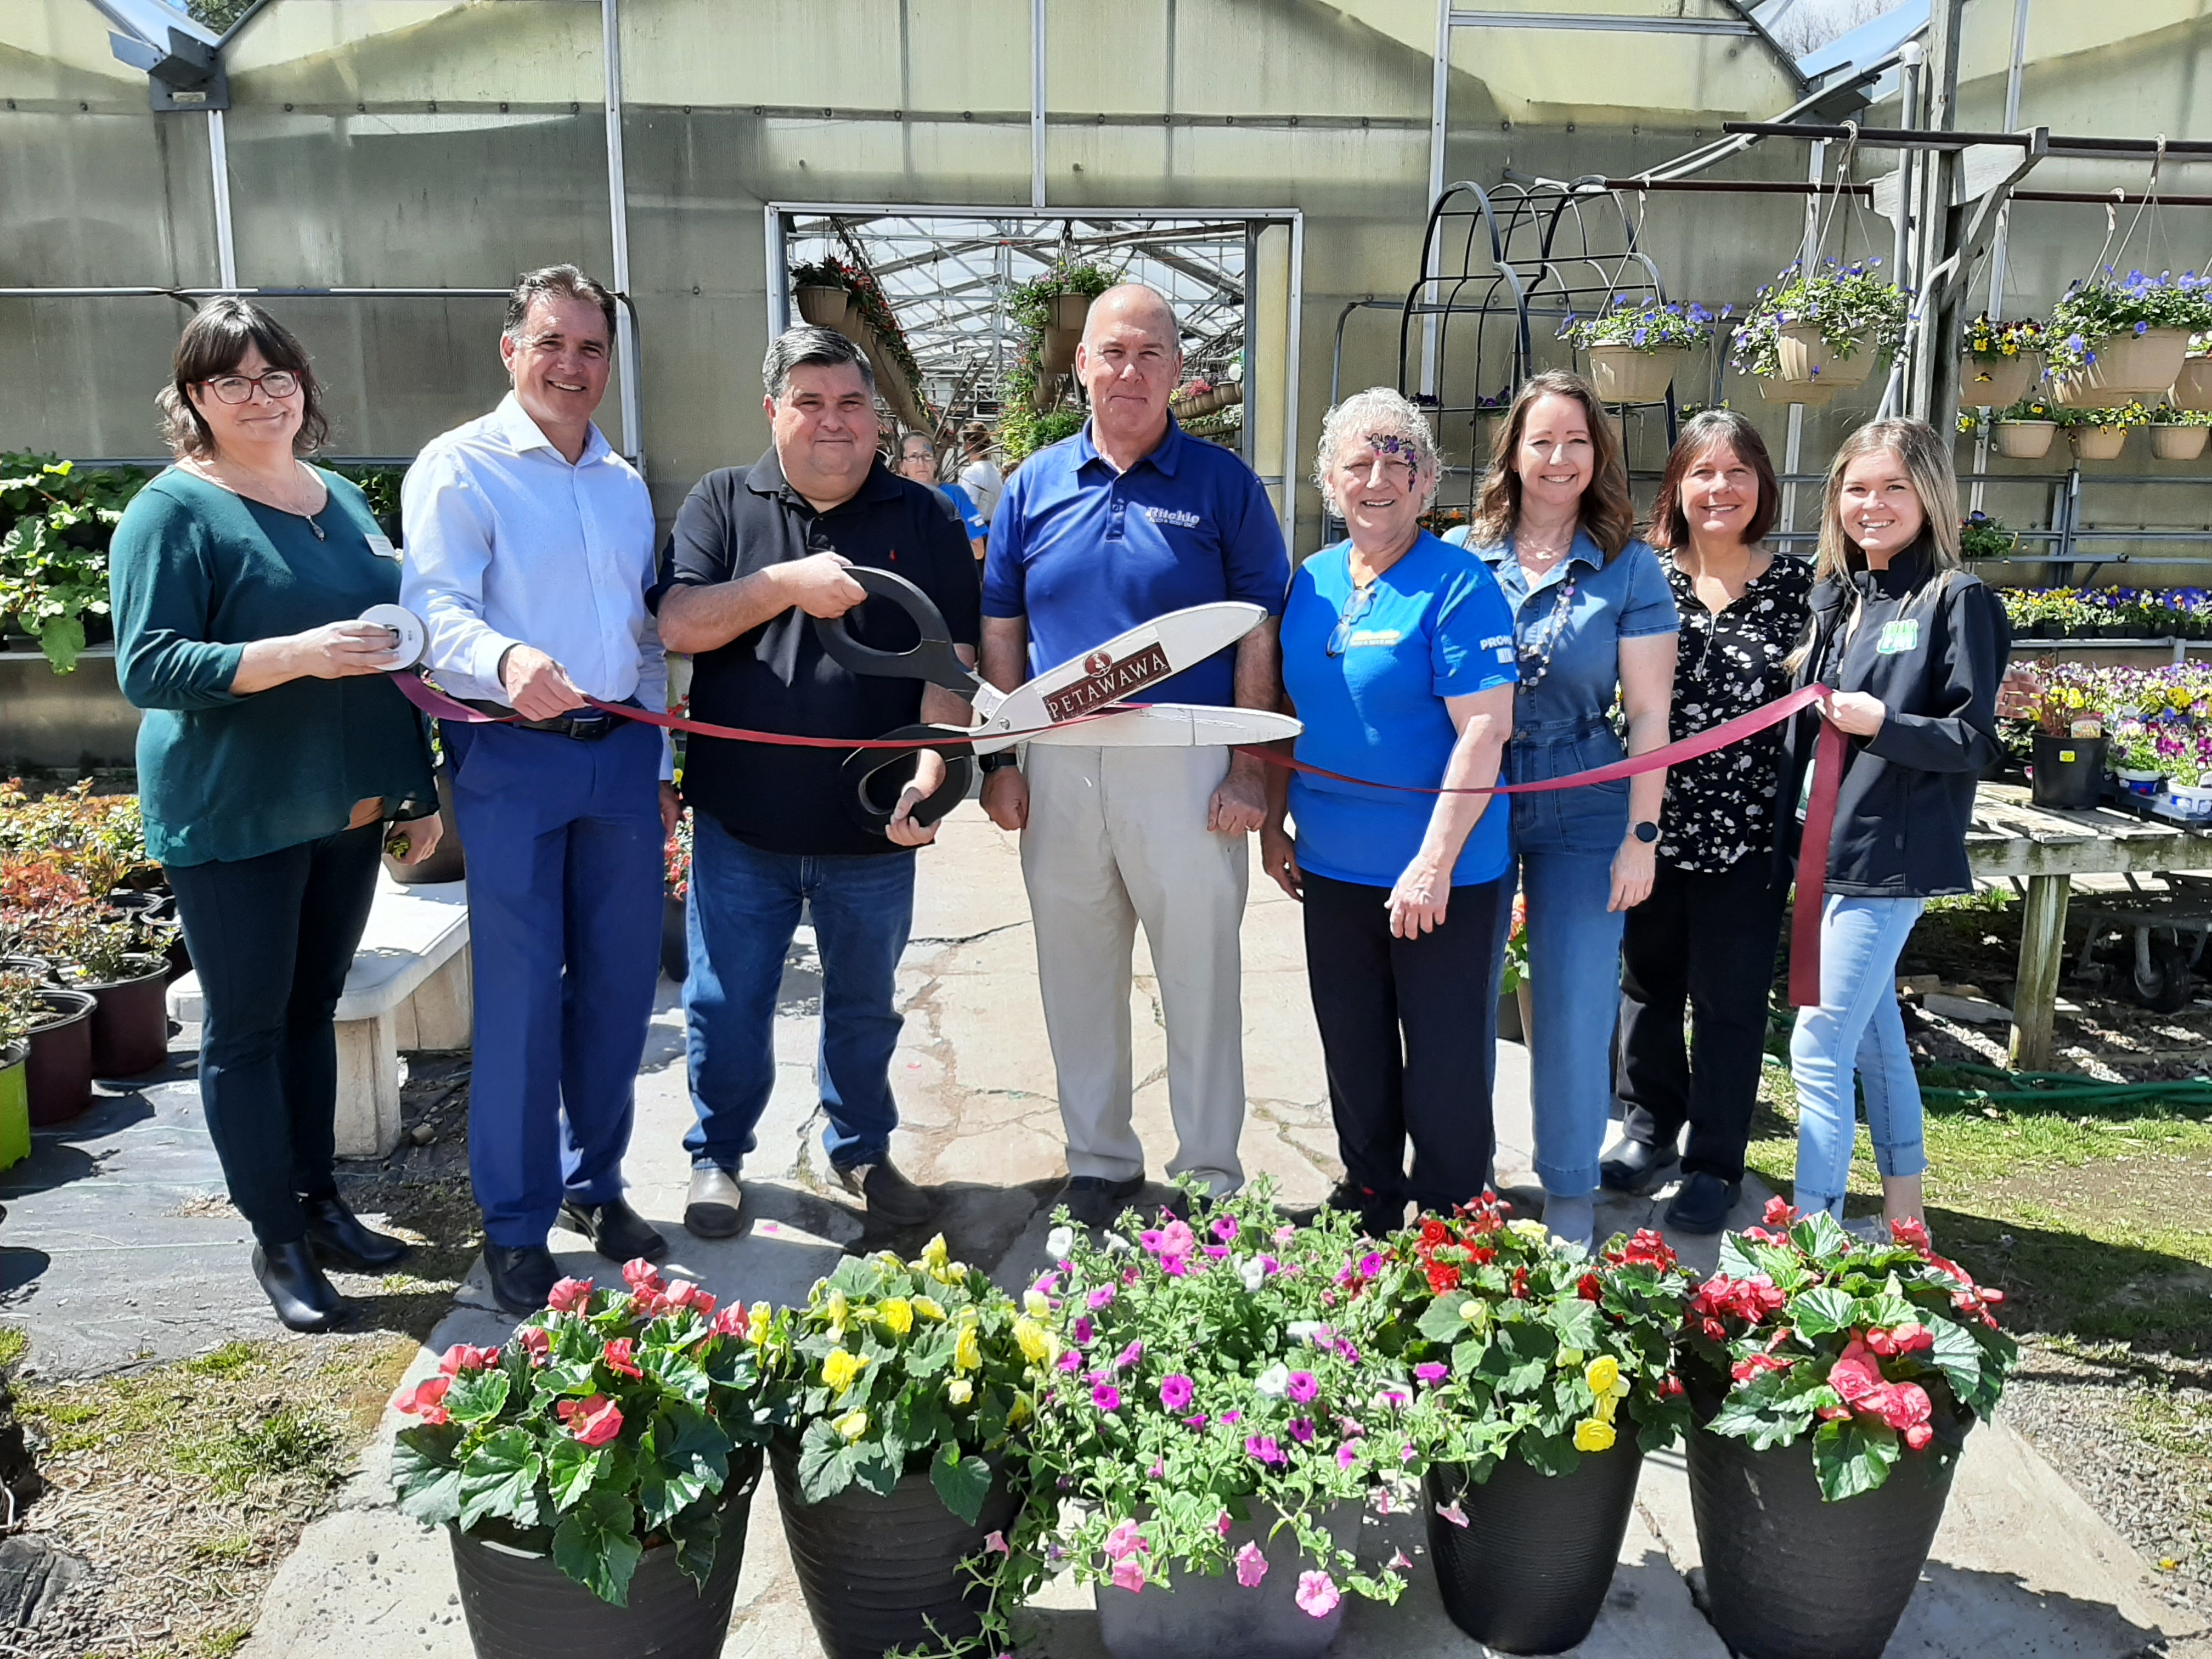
point(1857, 1026)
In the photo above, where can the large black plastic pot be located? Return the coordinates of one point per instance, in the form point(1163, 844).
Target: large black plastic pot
point(58, 1074)
point(2068, 772)
point(880, 1573)
point(1789, 1576)
point(1218, 1618)
point(520, 1606)
point(130, 1020)
point(1529, 1572)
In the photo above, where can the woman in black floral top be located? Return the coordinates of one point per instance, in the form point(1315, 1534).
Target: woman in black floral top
point(1706, 936)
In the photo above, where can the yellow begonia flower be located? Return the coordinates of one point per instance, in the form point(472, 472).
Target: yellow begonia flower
point(852, 1425)
point(1018, 1412)
point(1569, 1358)
point(839, 1368)
point(1037, 1304)
point(960, 1391)
point(895, 1315)
point(1604, 1371)
point(967, 1351)
point(1608, 1404)
point(1535, 1231)
point(837, 1309)
point(1593, 1436)
point(933, 1253)
point(756, 1323)
point(1036, 1343)
point(928, 1309)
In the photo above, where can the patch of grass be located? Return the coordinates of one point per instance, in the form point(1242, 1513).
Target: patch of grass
point(222, 1643)
point(283, 1445)
point(2181, 1427)
point(230, 1547)
point(15, 1343)
point(231, 1359)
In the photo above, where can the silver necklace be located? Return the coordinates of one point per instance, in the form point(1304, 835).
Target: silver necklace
point(207, 469)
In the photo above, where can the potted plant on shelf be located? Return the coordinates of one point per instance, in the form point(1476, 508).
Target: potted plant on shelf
point(2185, 757)
point(2100, 435)
point(2179, 434)
point(903, 1387)
point(1221, 1407)
point(824, 290)
point(1835, 1381)
point(2118, 341)
point(2023, 432)
point(2000, 363)
point(1542, 1375)
point(1635, 350)
point(2068, 745)
point(594, 1473)
point(1829, 329)
point(2133, 753)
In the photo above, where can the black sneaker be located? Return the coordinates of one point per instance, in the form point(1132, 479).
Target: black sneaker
point(1379, 1217)
point(889, 1196)
point(1704, 1204)
point(1096, 1202)
point(1636, 1168)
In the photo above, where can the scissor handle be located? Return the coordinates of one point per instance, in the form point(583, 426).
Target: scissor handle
point(863, 767)
point(932, 659)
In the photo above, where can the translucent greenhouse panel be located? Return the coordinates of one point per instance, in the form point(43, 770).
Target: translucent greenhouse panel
point(339, 54)
point(1622, 78)
point(54, 55)
point(1266, 361)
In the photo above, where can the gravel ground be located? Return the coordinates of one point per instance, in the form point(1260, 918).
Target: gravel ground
point(2132, 1433)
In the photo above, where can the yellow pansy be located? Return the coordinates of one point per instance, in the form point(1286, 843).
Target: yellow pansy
point(1037, 1304)
point(895, 1315)
point(967, 1351)
point(839, 1368)
point(1604, 1371)
point(1037, 1343)
point(1535, 1231)
point(928, 1308)
point(1593, 1436)
point(852, 1425)
point(960, 1391)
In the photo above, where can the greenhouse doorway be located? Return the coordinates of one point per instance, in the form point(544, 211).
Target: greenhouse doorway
point(953, 302)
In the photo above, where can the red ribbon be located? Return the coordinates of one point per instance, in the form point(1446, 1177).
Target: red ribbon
point(1813, 868)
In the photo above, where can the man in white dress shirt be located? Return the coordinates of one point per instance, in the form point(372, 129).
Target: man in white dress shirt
point(530, 548)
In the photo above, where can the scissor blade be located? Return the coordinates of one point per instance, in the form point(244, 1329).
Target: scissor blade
point(1176, 725)
point(1125, 667)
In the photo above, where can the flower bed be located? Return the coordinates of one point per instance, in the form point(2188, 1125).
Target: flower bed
point(2107, 613)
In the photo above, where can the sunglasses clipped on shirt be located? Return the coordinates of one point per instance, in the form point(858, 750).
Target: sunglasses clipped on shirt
point(1361, 602)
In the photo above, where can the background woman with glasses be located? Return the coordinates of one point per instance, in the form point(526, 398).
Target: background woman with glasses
point(272, 754)
point(1594, 624)
point(1397, 654)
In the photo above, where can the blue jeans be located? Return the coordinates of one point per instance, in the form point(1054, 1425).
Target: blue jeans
point(743, 910)
point(1856, 1023)
point(1565, 841)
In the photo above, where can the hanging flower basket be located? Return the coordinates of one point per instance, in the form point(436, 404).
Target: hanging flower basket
point(1815, 394)
point(1997, 383)
point(1804, 356)
point(1071, 310)
point(2024, 441)
point(1056, 356)
point(2096, 443)
point(825, 307)
point(2179, 443)
point(2193, 386)
point(1625, 374)
point(2127, 368)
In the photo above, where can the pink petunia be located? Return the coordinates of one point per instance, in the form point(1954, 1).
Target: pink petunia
point(1453, 1513)
point(1070, 1361)
point(1129, 1575)
point(1431, 1373)
point(1301, 1431)
point(1128, 1356)
point(1222, 1524)
point(1251, 1565)
point(1099, 1297)
point(1302, 1387)
point(1174, 1392)
point(995, 1544)
point(1083, 1330)
point(1317, 1595)
point(1124, 1541)
point(1346, 1457)
point(1261, 1447)
point(1225, 1228)
point(1106, 1397)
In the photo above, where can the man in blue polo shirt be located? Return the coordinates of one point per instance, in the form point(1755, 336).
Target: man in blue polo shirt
point(1125, 522)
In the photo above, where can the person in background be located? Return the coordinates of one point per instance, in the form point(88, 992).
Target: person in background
point(529, 552)
point(1594, 624)
point(1706, 936)
point(979, 477)
point(1120, 523)
point(1913, 649)
point(1397, 655)
point(759, 552)
point(273, 754)
point(918, 463)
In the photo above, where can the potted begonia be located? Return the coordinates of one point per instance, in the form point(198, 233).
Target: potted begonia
point(2000, 363)
point(594, 1473)
point(1219, 1412)
point(1541, 1376)
point(903, 1387)
point(2119, 340)
point(1829, 329)
point(1835, 1380)
point(1636, 350)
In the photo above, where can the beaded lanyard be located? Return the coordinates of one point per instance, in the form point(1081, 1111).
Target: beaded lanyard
point(1542, 657)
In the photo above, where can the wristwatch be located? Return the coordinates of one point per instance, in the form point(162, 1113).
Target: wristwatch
point(1647, 832)
point(990, 764)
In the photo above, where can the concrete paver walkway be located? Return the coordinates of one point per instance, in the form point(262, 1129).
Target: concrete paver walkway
point(2022, 1566)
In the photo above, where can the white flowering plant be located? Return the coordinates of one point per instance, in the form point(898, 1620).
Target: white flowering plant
point(1210, 1377)
point(1521, 1346)
point(894, 1365)
point(1651, 326)
point(1854, 307)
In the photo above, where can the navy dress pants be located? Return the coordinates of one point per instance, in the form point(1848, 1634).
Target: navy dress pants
point(565, 873)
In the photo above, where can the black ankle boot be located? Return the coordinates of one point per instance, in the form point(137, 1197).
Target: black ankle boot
point(337, 1232)
point(303, 1299)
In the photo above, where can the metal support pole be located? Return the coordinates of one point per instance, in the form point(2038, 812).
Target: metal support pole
point(633, 406)
point(1794, 444)
point(1037, 103)
point(1935, 355)
point(225, 246)
point(2004, 227)
point(1439, 135)
point(1296, 299)
point(1908, 217)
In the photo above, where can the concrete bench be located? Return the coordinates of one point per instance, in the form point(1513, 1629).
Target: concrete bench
point(410, 989)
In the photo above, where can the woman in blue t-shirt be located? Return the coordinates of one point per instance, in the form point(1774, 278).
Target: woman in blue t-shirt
point(1397, 656)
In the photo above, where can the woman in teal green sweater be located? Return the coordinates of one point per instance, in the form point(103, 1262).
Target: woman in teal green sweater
point(273, 752)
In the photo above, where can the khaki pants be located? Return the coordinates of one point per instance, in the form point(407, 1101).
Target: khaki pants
point(1117, 836)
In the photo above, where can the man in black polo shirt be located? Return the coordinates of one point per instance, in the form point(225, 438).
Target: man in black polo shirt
point(757, 553)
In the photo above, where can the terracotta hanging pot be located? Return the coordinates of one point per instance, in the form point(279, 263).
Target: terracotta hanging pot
point(1804, 355)
point(2179, 443)
point(1813, 394)
point(2096, 443)
point(1071, 310)
point(825, 307)
point(2193, 386)
point(1623, 374)
point(2129, 368)
point(1997, 382)
point(2024, 441)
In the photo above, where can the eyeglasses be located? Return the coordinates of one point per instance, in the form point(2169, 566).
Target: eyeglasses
point(1361, 602)
point(238, 388)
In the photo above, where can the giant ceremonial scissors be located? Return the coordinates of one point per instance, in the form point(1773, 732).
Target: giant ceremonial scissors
point(1080, 701)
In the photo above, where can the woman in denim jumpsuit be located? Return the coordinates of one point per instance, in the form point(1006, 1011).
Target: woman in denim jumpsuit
point(1594, 620)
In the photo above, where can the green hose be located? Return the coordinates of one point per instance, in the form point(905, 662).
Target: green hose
point(2062, 1089)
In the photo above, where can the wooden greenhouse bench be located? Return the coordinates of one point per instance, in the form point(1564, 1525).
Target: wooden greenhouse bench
point(410, 989)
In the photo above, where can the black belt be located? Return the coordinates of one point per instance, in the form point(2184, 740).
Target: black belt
point(587, 727)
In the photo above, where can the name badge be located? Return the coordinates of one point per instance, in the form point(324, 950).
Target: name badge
point(1903, 634)
point(381, 546)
